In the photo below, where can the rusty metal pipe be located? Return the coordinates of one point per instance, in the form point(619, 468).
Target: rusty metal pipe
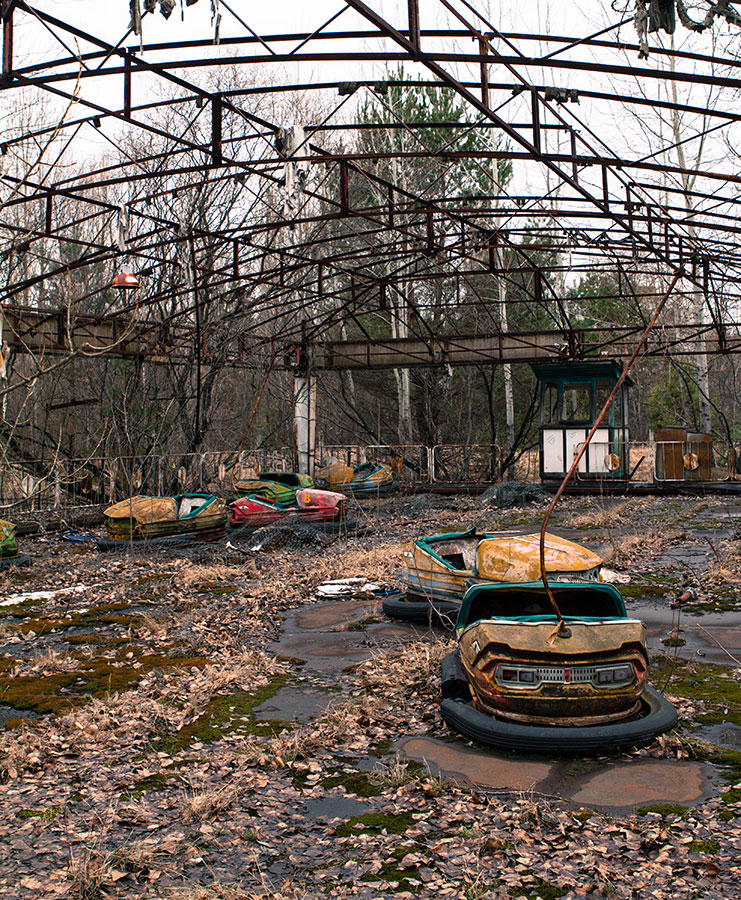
point(560, 627)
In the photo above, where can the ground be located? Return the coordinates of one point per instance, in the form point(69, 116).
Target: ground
point(197, 724)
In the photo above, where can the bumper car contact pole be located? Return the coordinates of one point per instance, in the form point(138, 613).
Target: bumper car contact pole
point(561, 628)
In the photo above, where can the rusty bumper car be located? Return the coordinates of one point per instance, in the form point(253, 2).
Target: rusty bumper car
point(159, 521)
point(9, 555)
point(438, 569)
point(310, 505)
point(365, 480)
point(520, 682)
point(277, 488)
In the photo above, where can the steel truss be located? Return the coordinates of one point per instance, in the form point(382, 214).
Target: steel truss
point(358, 242)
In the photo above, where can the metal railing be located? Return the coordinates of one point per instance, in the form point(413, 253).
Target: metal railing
point(65, 487)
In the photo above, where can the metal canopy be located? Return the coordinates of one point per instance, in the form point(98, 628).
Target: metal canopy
point(246, 249)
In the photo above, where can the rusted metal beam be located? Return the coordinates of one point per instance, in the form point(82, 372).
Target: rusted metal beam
point(6, 11)
point(514, 347)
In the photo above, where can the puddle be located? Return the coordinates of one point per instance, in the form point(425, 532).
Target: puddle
point(339, 807)
point(335, 615)
point(324, 635)
point(726, 735)
point(490, 770)
point(705, 636)
point(294, 704)
point(8, 713)
point(614, 785)
point(635, 784)
point(686, 558)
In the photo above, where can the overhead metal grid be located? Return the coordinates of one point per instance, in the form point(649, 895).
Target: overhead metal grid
point(277, 273)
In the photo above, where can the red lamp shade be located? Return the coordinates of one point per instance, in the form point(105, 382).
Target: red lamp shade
point(125, 281)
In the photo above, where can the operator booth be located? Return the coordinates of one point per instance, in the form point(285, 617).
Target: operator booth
point(571, 397)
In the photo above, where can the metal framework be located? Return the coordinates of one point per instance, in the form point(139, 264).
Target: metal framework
point(622, 168)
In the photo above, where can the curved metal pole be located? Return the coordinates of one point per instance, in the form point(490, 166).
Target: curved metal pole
point(560, 627)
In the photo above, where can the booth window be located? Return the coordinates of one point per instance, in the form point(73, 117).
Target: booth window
point(577, 406)
point(550, 404)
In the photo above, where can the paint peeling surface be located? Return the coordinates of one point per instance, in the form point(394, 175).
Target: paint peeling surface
point(440, 567)
point(520, 668)
point(142, 517)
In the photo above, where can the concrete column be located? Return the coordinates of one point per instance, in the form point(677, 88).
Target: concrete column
point(304, 419)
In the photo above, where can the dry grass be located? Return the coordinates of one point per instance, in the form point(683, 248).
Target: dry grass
point(50, 662)
point(640, 548)
point(395, 674)
point(248, 671)
point(200, 576)
point(89, 871)
point(200, 806)
point(600, 517)
point(21, 750)
point(138, 857)
point(392, 775)
point(154, 627)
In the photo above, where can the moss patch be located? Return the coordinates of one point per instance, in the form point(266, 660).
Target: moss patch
point(156, 782)
point(58, 692)
point(664, 809)
point(229, 712)
point(357, 783)
point(46, 815)
point(713, 685)
point(539, 890)
point(709, 847)
point(375, 823)
point(399, 880)
point(104, 614)
point(381, 748)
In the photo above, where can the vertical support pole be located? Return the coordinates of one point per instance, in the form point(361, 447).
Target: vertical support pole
point(216, 130)
point(414, 31)
point(538, 285)
point(430, 231)
point(492, 252)
point(344, 189)
point(605, 188)
point(127, 85)
point(484, 67)
point(304, 417)
point(320, 279)
point(48, 214)
point(649, 223)
point(382, 302)
point(281, 268)
point(392, 207)
point(235, 260)
point(7, 8)
point(536, 120)
point(574, 167)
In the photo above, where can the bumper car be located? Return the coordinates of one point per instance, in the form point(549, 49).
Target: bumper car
point(277, 488)
point(9, 555)
point(164, 520)
point(364, 480)
point(520, 681)
point(438, 569)
point(310, 505)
